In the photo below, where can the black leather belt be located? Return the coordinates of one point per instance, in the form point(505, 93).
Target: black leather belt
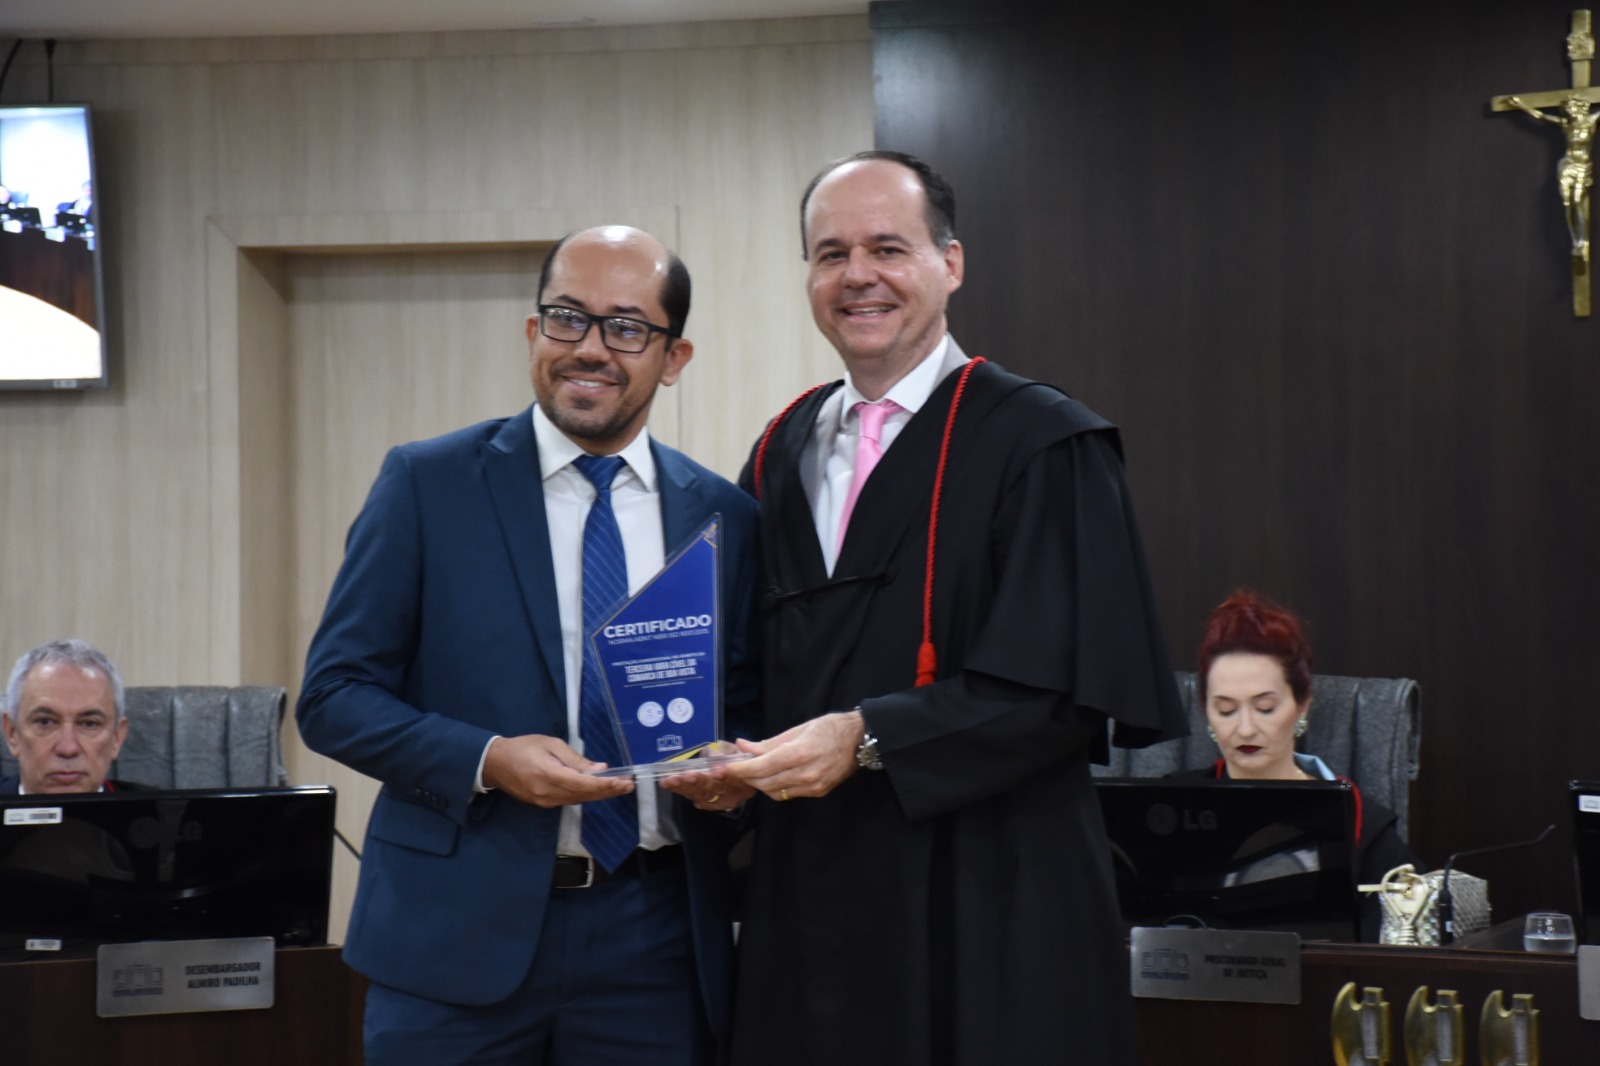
point(580, 871)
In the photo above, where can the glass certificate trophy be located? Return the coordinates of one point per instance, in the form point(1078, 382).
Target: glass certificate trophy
point(660, 657)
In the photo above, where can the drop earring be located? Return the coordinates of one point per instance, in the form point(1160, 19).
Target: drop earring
point(1301, 726)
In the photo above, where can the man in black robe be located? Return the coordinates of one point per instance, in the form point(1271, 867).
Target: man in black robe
point(932, 884)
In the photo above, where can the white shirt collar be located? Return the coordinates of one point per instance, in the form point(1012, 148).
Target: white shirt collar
point(557, 450)
point(911, 391)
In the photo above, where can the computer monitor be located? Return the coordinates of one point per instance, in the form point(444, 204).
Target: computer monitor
point(81, 870)
point(1275, 855)
point(1586, 857)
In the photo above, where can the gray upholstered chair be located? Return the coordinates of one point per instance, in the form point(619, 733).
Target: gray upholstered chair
point(199, 736)
point(1365, 728)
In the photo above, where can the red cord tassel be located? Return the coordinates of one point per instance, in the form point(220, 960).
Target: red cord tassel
point(927, 659)
point(927, 663)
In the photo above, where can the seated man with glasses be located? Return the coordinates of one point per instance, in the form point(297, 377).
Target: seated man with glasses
point(513, 906)
point(64, 720)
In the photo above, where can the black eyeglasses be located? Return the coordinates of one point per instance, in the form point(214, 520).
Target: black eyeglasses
point(629, 336)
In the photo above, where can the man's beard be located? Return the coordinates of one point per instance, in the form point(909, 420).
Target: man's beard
point(587, 423)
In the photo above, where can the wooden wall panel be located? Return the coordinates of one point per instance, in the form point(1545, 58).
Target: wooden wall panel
point(269, 648)
point(385, 348)
point(1324, 292)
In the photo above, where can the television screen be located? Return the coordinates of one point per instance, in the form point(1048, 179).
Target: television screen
point(1234, 854)
point(81, 870)
point(52, 332)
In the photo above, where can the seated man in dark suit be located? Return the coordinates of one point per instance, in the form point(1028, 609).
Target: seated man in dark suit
point(74, 214)
point(63, 720)
point(81, 206)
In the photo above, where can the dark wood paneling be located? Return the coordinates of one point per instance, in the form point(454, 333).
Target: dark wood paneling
point(1324, 292)
point(315, 1019)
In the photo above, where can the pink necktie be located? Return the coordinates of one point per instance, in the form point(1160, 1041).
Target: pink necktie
point(869, 449)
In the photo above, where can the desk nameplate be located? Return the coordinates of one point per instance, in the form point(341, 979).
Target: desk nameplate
point(185, 976)
point(1220, 965)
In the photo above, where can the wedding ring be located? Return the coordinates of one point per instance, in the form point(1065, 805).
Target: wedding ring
point(783, 794)
point(713, 799)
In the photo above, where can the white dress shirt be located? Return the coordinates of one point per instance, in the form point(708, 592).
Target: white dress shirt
point(828, 463)
point(636, 501)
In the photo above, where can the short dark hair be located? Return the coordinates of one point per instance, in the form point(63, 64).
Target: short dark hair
point(675, 291)
point(939, 199)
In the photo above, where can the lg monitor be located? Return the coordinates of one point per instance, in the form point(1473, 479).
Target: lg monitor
point(1274, 855)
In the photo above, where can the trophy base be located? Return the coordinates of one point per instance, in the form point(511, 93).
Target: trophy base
point(698, 762)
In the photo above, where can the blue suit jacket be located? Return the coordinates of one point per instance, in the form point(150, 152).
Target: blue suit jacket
point(442, 630)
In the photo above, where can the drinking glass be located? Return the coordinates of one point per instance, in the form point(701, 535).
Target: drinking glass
point(1549, 931)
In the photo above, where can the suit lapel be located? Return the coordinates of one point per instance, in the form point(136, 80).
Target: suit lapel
point(804, 566)
point(511, 468)
point(683, 505)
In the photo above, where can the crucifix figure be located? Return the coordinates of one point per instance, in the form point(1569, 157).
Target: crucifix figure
point(1575, 172)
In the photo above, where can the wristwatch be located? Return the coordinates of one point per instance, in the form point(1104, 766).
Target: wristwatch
point(867, 756)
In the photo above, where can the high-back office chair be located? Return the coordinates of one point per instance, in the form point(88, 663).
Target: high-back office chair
point(199, 736)
point(1368, 729)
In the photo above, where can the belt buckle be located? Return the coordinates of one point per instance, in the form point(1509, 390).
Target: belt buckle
point(588, 868)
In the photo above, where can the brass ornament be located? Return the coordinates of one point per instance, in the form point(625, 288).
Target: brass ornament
point(1434, 1032)
point(1580, 46)
point(1405, 897)
point(1360, 1028)
point(1509, 1037)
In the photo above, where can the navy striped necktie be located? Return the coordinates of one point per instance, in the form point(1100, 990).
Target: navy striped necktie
point(610, 827)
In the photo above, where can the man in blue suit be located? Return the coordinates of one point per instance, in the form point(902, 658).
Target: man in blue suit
point(494, 925)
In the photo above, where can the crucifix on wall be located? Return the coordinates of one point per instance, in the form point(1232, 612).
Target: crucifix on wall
point(1575, 171)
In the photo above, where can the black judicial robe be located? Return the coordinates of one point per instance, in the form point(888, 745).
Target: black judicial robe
point(957, 907)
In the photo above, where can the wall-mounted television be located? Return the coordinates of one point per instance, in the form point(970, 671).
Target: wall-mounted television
point(52, 307)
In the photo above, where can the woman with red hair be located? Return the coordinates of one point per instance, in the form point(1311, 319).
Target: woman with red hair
point(1254, 678)
point(1255, 684)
